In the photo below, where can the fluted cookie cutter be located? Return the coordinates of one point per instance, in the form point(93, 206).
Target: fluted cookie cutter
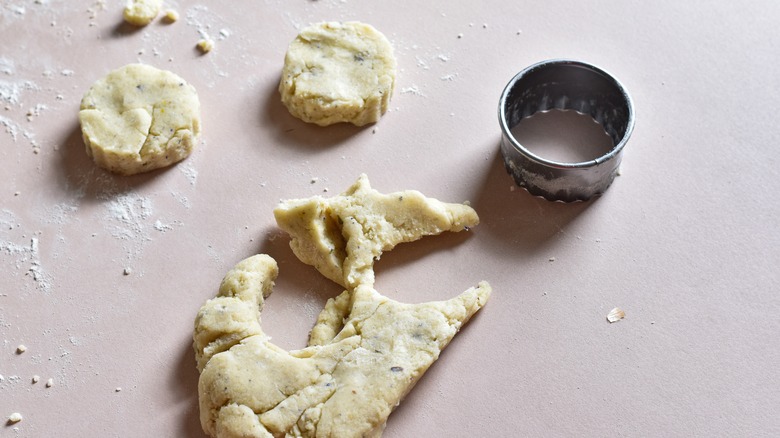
point(565, 85)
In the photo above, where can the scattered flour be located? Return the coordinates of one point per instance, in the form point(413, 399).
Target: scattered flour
point(189, 171)
point(414, 89)
point(7, 66)
point(159, 226)
point(11, 91)
point(126, 219)
point(25, 257)
point(423, 64)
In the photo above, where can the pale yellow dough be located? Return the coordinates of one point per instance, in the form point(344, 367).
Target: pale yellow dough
point(365, 352)
point(341, 236)
point(139, 118)
point(338, 72)
point(141, 12)
point(346, 387)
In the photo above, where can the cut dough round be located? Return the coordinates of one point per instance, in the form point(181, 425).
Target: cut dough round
point(139, 118)
point(338, 72)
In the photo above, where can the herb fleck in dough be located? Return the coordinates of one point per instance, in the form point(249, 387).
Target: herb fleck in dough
point(338, 72)
point(139, 118)
point(141, 12)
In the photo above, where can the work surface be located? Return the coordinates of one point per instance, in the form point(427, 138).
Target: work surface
point(101, 276)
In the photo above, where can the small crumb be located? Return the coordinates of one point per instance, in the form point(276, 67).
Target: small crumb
point(373, 130)
point(616, 315)
point(170, 16)
point(21, 349)
point(619, 172)
point(652, 322)
point(314, 180)
point(36, 378)
point(17, 193)
point(14, 418)
point(127, 271)
point(460, 35)
point(118, 389)
point(552, 259)
point(511, 188)
point(484, 25)
point(205, 45)
point(519, 32)
point(325, 189)
point(50, 383)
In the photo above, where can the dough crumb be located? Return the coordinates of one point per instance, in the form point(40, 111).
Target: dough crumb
point(141, 12)
point(171, 16)
point(118, 389)
point(15, 418)
point(127, 271)
point(205, 45)
point(50, 383)
point(616, 315)
point(36, 378)
point(21, 349)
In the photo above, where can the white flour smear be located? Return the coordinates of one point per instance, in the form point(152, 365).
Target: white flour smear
point(23, 255)
point(127, 219)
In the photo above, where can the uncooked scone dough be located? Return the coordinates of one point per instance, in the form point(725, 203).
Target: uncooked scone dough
point(366, 351)
point(141, 12)
point(139, 118)
point(338, 72)
point(341, 236)
point(346, 387)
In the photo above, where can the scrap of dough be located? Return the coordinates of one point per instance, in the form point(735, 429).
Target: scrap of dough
point(141, 12)
point(343, 235)
point(249, 387)
point(139, 118)
point(338, 72)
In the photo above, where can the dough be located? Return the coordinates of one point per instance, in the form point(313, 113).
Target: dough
point(365, 352)
point(139, 118)
point(343, 235)
point(338, 72)
point(346, 387)
point(141, 12)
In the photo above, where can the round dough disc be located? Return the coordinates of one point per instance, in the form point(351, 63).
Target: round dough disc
point(139, 118)
point(338, 72)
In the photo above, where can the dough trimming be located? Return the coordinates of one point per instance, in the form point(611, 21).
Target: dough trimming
point(365, 352)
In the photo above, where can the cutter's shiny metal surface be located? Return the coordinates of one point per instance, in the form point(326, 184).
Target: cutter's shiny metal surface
point(565, 85)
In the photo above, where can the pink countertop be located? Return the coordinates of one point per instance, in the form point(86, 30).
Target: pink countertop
point(685, 241)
